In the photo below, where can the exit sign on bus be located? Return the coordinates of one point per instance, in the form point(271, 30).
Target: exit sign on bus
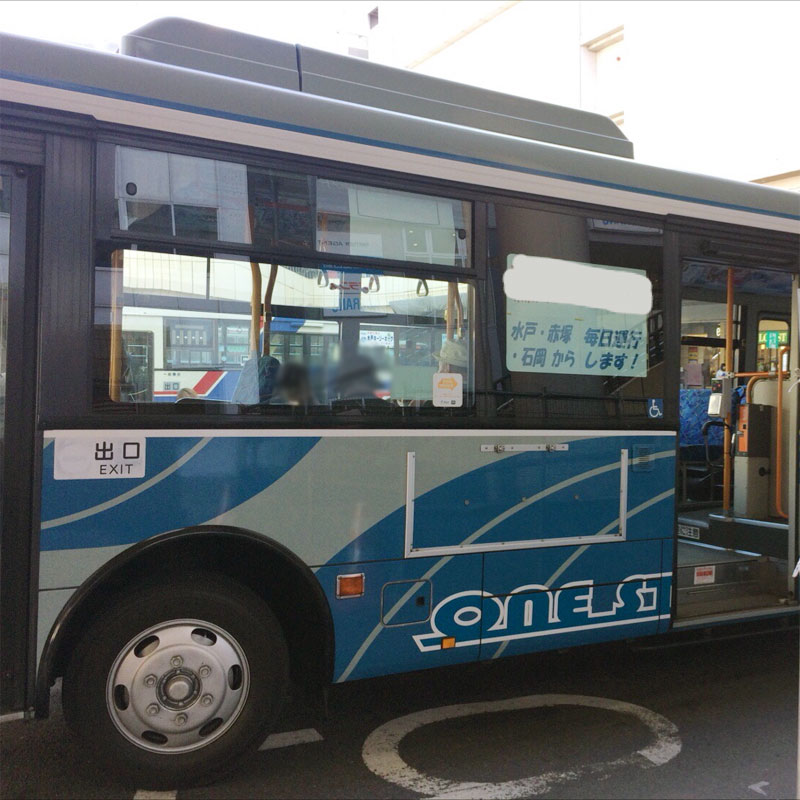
point(772, 340)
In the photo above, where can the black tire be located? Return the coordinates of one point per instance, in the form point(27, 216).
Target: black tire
point(151, 641)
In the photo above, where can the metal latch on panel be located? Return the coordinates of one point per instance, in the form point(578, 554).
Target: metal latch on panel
point(523, 448)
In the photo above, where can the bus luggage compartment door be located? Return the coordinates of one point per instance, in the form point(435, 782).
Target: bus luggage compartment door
point(480, 494)
point(575, 531)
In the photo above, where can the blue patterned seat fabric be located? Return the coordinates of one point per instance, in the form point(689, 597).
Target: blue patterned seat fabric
point(693, 415)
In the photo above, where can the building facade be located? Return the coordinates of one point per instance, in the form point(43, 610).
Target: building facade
point(702, 86)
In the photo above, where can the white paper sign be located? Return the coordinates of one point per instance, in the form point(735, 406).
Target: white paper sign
point(100, 457)
point(448, 390)
point(556, 338)
point(376, 338)
point(570, 318)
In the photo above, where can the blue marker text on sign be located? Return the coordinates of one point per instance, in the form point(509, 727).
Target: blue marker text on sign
point(555, 337)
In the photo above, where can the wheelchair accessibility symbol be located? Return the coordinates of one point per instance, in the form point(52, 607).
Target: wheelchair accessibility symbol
point(655, 408)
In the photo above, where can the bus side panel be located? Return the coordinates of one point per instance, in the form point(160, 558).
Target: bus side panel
point(97, 500)
point(105, 490)
point(667, 566)
point(557, 597)
point(180, 481)
point(589, 591)
point(383, 630)
point(507, 490)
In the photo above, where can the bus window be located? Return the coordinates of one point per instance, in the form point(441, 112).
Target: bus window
point(167, 322)
point(207, 200)
point(579, 317)
point(703, 342)
point(772, 335)
point(363, 221)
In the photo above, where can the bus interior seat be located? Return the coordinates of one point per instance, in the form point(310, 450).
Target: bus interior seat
point(257, 380)
point(698, 476)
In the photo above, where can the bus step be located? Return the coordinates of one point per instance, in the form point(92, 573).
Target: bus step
point(710, 579)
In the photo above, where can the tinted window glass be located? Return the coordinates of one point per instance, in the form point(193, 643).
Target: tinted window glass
point(164, 194)
point(365, 221)
point(172, 327)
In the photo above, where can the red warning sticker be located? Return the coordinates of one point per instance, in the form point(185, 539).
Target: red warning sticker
point(704, 574)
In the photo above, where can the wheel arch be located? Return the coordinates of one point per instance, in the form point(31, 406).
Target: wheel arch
point(265, 566)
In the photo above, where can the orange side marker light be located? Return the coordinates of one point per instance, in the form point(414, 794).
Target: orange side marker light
point(350, 585)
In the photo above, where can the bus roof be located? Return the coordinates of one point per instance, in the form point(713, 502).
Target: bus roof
point(355, 118)
point(191, 44)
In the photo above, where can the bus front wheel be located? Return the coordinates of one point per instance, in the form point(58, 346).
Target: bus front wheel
point(177, 681)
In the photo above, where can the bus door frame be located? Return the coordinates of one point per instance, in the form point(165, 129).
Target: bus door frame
point(19, 548)
point(794, 438)
point(686, 237)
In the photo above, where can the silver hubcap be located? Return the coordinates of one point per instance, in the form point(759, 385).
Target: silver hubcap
point(177, 686)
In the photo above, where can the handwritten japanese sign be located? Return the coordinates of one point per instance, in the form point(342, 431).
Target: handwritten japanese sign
point(558, 337)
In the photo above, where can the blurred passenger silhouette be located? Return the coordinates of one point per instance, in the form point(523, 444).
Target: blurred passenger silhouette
point(293, 385)
point(357, 378)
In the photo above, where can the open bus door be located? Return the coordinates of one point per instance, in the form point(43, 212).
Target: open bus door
point(737, 488)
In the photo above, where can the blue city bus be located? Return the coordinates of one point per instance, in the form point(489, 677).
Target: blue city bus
point(317, 370)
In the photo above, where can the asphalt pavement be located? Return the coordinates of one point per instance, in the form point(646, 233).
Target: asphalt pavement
point(713, 717)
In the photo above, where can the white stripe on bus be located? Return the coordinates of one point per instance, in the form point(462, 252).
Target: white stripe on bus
point(320, 433)
point(394, 158)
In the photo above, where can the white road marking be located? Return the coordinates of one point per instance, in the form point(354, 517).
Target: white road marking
point(146, 794)
point(759, 787)
point(381, 748)
point(291, 738)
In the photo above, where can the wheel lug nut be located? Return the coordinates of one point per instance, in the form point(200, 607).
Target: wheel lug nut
point(181, 719)
point(206, 700)
point(152, 709)
point(204, 671)
point(176, 661)
point(150, 681)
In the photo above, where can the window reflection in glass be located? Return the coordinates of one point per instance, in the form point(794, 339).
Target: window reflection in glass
point(168, 323)
point(170, 195)
point(382, 223)
point(281, 208)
